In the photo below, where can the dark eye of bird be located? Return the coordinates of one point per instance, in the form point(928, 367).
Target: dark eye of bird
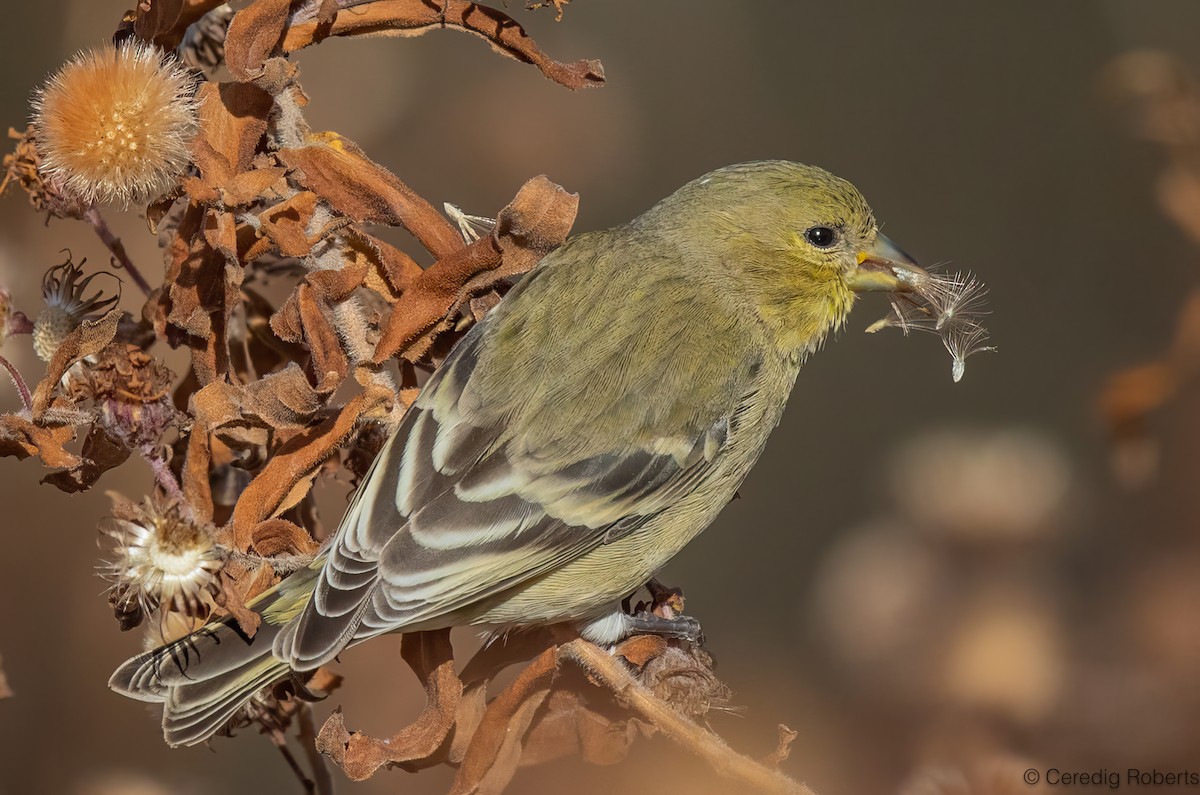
point(821, 236)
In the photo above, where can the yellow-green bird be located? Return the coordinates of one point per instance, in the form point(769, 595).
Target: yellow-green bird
point(573, 442)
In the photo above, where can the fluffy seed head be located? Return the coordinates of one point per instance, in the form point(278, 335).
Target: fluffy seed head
point(114, 125)
point(160, 560)
point(63, 287)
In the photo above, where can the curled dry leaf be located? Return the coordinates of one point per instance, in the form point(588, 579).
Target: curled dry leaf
point(342, 175)
point(87, 340)
point(293, 465)
point(22, 438)
point(431, 658)
point(416, 17)
point(164, 21)
point(535, 223)
point(253, 36)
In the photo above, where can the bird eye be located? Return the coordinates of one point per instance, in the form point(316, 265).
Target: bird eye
point(821, 236)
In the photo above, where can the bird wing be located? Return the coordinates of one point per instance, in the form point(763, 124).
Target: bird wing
point(459, 507)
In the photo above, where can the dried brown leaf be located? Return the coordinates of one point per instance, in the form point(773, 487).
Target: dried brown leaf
point(569, 726)
point(235, 593)
point(101, 452)
point(416, 17)
point(87, 340)
point(431, 658)
point(249, 186)
point(285, 400)
point(164, 21)
point(276, 537)
point(329, 364)
point(532, 225)
point(285, 226)
point(297, 460)
point(233, 119)
point(341, 174)
point(253, 35)
point(492, 757)
point(21, 438)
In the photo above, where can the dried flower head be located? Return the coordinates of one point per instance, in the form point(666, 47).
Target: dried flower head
point(63, 287)
point(115, 124)
point(948, 305)
point(160, 560)
point(131, 391)
point(23, 165)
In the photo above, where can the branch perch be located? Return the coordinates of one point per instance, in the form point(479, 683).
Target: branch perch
point(695, 738)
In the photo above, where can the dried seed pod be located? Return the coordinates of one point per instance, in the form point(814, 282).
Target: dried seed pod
point(63, 287)
point(115, 124)
point(132, 393)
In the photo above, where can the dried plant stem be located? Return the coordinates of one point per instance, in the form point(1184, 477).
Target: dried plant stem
point(322, 776)
point(164, 477)
point(19, 383)
point(114, 244)
point(708, 746)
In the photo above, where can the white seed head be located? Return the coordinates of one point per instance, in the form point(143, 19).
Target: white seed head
point(161, 561)
point(949, 305)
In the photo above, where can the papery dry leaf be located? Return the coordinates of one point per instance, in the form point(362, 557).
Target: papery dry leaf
point(285, 226)
point(237, 591)
point(533, 224)
point(341, 174)
point(279, 537)
point(569, 726)
point(396, 269)
point(431, 658)
point(253, 35)
point(416, 17)
point(21, 438)
point(329, 363)
point(164, 21)
point(233, 119)
point(101, 452)
point(197, 488)
point(87, 340)
point(494, 752)
point(249, 186)
point(297, 460)
point(285, 400)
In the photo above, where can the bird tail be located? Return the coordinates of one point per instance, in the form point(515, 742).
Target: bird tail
point(202, 680)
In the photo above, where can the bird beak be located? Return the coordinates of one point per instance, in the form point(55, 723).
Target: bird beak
point(884, 267)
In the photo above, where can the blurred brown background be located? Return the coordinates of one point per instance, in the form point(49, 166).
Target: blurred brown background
point(924, 579)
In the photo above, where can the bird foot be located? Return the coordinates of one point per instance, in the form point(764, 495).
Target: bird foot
point(679, 627)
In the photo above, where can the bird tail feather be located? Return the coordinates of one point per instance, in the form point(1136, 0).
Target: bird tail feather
point(202, 680)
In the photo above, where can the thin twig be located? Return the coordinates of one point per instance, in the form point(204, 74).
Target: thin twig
point(19, 383)
point(114, 244)
point(708, 746)
point(322, 775)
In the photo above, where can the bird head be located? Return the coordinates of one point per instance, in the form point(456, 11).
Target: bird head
point(803, 241)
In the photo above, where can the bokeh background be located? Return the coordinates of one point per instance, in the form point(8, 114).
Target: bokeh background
point(938, 585)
